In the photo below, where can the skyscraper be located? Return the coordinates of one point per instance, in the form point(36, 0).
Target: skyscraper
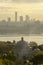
point(15, 16)
point(9, 19)
point(21, 18)
point(27, 18)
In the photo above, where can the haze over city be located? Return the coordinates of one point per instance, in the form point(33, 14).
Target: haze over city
point(33, 8)
point(21, 32)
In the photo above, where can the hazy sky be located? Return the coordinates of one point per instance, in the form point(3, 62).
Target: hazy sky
point(33, 8)
point(21, 0)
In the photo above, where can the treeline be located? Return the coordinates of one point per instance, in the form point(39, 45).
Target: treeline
point(20, 53)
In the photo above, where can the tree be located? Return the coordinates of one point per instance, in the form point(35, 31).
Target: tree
point(40, 47)
point(37, 58)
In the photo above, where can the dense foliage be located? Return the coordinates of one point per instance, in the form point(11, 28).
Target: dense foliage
point(20, 53)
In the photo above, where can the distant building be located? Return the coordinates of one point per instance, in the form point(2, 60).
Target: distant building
point(21, 18)
point(21, 48)
point(9, 19)
point(3, 20)
point(27, 18)
point(15, 16)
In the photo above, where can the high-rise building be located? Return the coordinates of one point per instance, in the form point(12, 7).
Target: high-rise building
point(15, 16)
point(21, 18)
point(9, 19)
point(27, 18)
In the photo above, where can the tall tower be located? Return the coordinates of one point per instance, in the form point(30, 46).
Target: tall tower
point(27, 18)
point(21, 18)
point(15, 16)
point(9, 19)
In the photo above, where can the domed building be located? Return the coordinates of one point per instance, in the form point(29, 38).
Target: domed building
point(21, 48)
point(25, 50)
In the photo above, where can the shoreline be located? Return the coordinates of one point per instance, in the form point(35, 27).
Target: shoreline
point(16, 35)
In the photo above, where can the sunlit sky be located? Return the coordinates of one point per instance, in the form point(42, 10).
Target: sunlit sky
point(33, 8)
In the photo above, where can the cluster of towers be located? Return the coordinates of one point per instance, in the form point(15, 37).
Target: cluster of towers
point(21, 18)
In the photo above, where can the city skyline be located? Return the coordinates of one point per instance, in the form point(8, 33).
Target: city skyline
point(34, 10)
point(20, 18)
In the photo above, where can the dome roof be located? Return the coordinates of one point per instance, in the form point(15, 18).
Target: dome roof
point(21, 43)
point(21, 47)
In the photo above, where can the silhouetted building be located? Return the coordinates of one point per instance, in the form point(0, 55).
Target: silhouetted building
point(9, 19)
point(3, 21)
point(15, 16)
point(22, 39)
point(27, 18)
point(21, 18)
point(21, 48)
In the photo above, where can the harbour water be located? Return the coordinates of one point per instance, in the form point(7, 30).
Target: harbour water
point(36, 38)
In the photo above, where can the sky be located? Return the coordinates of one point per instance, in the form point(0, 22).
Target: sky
point(33, 8)
point(21, 0)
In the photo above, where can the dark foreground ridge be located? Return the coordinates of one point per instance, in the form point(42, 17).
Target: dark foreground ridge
point(21, 53)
